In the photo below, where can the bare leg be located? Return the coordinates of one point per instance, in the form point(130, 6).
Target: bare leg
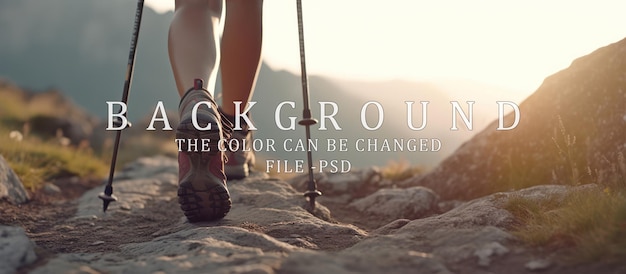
point(241, 55)
point(194, 54)
point(193, 43)
point(241, 51)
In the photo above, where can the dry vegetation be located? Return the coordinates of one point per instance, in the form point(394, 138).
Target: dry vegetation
point(399, 170)
point(591, 222)
point(36, 161)
point(33, 158)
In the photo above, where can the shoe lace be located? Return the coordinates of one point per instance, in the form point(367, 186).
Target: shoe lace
point(227, 126)
point(227, 132)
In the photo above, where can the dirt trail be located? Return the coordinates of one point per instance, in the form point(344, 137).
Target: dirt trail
point(51, 222)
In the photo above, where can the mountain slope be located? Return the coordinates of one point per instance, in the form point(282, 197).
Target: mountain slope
point(571, 132)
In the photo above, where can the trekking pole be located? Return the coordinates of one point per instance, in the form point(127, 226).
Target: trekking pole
point(307, 120)
point(107, 196)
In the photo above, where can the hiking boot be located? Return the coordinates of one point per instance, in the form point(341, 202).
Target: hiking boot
point(202, 191)
point(240, 161)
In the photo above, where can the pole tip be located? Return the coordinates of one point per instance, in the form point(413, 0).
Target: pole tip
point(106, 200)
point(311, 195)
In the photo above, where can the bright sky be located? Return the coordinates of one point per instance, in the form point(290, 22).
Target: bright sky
point(513, 44)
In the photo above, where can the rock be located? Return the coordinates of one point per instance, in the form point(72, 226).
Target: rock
point(382, 260)
point(436, 244)
point(206, 249)
point(148, 166)
point(125, 206)
point(97, 243)
point(538, 264)
point(16, 250)
point(556, 192)
point(489, 250)
point(449, 205)
point(51, 189)
point(395, 203)
point(470, 238)
point(11, 188)
point(466, 239)
point(390, 227)
point(585, 102)
point(349, 186)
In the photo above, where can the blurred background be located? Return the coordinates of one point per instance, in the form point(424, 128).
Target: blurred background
point(62, 53)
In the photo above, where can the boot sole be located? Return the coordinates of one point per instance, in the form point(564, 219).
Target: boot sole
point(202, 196)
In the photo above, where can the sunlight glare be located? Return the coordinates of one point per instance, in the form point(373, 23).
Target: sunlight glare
point(511, 44)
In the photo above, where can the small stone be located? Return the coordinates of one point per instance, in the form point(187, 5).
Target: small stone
point(394, 203)
point(97, 243)
point(485, 253)
point(11, 188)
point(51, 189)
point(85, 217)
point(125, 207)
point(538, 265)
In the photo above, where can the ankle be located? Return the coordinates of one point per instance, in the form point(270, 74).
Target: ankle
point(193, 96)
point(232, 118)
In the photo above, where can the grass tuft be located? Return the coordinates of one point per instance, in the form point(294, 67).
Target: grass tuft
point(592, 222)
point(35, 161)
point(400, 170)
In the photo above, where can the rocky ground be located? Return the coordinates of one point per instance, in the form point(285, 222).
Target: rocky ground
point(355, 229)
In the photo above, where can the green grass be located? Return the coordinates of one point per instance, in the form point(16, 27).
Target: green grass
point(39, 158)
point(36, 161)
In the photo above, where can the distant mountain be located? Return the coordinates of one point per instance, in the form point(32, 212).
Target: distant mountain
point(284, 86)
point(80, 47)
point(572, 133)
